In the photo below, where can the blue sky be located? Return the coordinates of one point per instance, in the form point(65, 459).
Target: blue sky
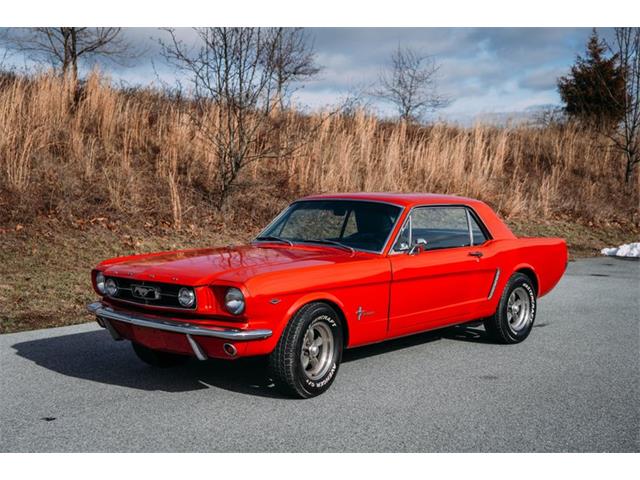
point(484, 71)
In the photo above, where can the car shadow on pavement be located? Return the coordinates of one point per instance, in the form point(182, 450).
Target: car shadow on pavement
point(95, 357)
point(466, 333)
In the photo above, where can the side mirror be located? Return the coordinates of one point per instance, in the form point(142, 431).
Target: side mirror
point(419, 247)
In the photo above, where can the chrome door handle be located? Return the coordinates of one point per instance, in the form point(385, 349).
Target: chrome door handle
point(476, 254)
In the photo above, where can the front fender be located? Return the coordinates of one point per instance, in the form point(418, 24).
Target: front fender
point(312, 297)
point(280, 317)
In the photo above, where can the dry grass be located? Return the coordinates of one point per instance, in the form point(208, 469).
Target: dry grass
point(91, 174)
point(135, 155)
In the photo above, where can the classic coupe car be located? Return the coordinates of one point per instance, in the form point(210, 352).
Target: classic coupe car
point(330, 272)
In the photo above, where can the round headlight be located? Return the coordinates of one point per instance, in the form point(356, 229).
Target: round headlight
point(186, 297)
point(234, 301)
point(100, 282)
point(110, 287)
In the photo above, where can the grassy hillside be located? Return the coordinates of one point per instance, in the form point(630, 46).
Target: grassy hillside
point(90, 174)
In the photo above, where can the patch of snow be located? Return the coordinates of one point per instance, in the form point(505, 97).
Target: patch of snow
point(626, 250)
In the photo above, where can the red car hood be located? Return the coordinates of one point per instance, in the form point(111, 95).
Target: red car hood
point(234, 264)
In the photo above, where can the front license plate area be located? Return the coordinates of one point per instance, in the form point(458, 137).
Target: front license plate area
point(150, 338)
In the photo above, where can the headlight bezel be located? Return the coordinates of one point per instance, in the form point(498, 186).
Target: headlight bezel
point(233, 295)
point(109, 282)
point(192, 297)
point(100, 279)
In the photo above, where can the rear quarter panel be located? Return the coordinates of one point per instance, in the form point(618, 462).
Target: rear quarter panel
point(546, 257)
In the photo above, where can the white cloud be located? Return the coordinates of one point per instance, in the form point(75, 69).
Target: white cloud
point(482, 69)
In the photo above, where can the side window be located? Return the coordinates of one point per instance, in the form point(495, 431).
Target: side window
point(478, 235)
point(435, 227)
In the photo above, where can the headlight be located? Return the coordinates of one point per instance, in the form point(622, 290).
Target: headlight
point(234, 301)
point(100, 282)
point(110, 287)
point(186, 297)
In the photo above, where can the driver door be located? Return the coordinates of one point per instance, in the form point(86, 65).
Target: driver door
point(437, 275)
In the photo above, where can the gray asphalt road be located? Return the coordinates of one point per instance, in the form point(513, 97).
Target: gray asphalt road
point(572, 386)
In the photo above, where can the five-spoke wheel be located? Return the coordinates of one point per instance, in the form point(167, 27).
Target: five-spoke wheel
point(519, 309)
point(317, 350)
point(516, 311)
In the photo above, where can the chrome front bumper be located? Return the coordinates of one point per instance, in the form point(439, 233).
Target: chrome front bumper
point(105, 314)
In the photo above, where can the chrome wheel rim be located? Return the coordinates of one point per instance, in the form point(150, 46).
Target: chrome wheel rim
point(519, 310)
point(317, 350)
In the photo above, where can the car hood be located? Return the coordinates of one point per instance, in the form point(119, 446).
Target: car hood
point(229, 264)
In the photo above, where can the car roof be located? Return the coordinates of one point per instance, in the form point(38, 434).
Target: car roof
point(401, 199)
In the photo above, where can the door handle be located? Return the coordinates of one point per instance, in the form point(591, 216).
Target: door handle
point(476, 254)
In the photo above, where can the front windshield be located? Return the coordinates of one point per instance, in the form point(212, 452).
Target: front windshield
point(360, 225)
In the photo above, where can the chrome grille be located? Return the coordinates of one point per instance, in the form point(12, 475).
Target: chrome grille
point(148, 293)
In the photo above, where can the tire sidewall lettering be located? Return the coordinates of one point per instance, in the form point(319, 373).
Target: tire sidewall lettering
point(332, 323)
point(327, 378)
point(532, 300)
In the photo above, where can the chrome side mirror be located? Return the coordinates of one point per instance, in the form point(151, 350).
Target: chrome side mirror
point(419, 247)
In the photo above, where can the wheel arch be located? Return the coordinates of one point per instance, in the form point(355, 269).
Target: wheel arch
point(529, 272)
point(321, 297)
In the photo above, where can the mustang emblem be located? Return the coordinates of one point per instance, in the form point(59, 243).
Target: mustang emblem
point(148, 293)
point(362, 313)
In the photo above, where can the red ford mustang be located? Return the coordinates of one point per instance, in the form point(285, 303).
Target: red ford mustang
point(330, 272)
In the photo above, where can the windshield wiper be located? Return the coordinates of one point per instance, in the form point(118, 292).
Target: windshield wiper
point(273, 238)
point(331, 242)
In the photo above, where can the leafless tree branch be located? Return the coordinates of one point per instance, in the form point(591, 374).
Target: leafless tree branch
point(626, 137)
point(410, 84)
point(63, 47)
point(240, 78)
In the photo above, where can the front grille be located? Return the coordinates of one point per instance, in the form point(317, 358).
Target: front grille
point(149, 293)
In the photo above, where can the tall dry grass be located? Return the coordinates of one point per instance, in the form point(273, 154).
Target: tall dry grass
point(136, 155)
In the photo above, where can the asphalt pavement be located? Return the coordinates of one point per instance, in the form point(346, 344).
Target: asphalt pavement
point(573, 385)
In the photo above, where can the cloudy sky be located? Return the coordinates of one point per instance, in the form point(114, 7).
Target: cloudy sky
point(483, 71)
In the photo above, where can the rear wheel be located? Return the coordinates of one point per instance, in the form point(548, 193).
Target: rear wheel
point(306, 359)
point(516, 311)
point(157, 358)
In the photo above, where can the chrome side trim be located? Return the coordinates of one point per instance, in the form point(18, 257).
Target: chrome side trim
point(149, 321)
point(197, 351)
point(469, 227)
point(493, 285)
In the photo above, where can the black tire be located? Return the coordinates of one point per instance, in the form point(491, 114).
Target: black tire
point(499, 327)
point(156, 358)
point(285, 363)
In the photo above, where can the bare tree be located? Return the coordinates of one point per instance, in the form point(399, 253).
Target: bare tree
point(294, 60)
point(238, 77)
point(63, 47)
point(410, 84)
point(626, 137)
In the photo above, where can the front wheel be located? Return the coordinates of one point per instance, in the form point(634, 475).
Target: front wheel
point(305, 361)
point(516, 311)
